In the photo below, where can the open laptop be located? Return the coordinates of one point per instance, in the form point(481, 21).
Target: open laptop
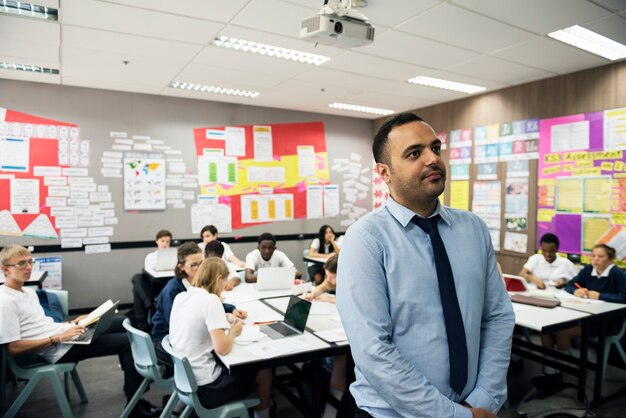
point(295, 320)
point(275, 278)
point(514, 283)
point(97, 328)
point(166, 259)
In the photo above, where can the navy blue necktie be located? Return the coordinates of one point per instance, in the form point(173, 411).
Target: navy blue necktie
point(457, 345)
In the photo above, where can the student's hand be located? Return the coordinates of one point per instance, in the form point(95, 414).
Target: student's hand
point(538, 282)
point(75, 321)
point(240, 313)
point(581, 293)
point(70, 333)
point(592, 294)
point(230, 284)
point(325, 297)
point(307, 296)
point(482, 413)
point(236, 328)
point(559, 284)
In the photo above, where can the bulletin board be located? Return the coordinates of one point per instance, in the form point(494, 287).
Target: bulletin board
point(265, 173)
point(582, 181)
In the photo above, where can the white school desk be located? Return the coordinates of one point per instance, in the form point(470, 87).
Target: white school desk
point(319, 260)
point(159, 274)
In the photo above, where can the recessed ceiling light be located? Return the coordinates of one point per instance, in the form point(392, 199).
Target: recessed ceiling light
point(203, 88)
point(28, 10)
point(269, 50)
point(363, 109)
point(446, 84)
point(28, 68)
point(591, 42)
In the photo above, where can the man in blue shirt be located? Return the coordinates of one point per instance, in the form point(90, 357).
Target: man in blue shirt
point(389, 299)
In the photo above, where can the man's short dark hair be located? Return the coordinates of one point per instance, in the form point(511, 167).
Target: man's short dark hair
point(379, 147)
point(331, 264)
point(266, 236)
point(214, 249)
point(163, 233)
point(550, 239)
point(210, 228)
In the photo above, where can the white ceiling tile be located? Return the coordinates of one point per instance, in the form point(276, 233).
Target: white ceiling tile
point(539, 16)
point(614, 5)
point(208, 96)
point(412, 49)
point(116, 85)
point(274, 16)
point(389, 101)
point(29, 41)
point(360, 63)
point(613, 27)
point(215, 10)
point(436, 23)
point(129, 45)
point(27, 76)
point(227, 77)
point(460, 78)
point(117, 18)
point(499, 70)
point(551, 55)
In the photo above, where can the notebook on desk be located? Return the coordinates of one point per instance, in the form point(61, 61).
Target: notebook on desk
point(96, 323)
point(535, 301)
point(166, 259)
point(275, 278)
point(295, 320)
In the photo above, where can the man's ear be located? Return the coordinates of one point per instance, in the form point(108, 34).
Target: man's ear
point(383, 171)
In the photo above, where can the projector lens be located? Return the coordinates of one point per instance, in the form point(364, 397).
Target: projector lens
point(338, 27)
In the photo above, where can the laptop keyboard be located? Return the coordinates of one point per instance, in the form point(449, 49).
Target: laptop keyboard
point(278, 330)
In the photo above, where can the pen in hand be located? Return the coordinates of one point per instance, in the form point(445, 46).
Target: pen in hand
point(582, 288)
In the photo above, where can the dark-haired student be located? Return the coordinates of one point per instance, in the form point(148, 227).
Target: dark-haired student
point(32, 336)
point(210, 233)
point(216, 249)
point(266, 255)
point(548, 267)
point(326, 243)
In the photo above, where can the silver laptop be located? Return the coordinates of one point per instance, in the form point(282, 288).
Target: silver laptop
point(98, 328)
point(166, 259)
point(295, 320)
point(275, 278)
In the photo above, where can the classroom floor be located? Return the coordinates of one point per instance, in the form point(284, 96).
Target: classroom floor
point(102, 379)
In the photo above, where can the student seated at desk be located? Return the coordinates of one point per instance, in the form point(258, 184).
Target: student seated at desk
point(198, 327)
point(189, 259)
point(216, 249)
point(326, 235)
point(209, 234)
point(145, 289)
point(548, 266)
point(32, 336)
point(266, 255)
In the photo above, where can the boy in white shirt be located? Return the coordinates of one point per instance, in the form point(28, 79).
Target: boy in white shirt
point(210, 233)
point(266, 255)
point(548, 267)
point(163, 240)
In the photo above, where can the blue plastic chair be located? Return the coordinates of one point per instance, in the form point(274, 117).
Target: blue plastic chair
point(39, 371)
point(146, 364)
point(187, 387)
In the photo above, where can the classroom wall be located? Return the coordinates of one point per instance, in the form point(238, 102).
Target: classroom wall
point(91, 278)
point(591, 90)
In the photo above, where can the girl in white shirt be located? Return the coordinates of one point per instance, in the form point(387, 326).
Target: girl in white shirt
point(198, 325)
point(325, 244)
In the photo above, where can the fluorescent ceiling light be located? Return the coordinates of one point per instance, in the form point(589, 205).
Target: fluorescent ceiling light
point(363, 109)
point(203, 88)
point(591, 42)
point(28, 10)
point(446, 84)
point(28, 68)
point(268, 50)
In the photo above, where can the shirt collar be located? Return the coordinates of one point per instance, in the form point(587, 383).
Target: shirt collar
point(605, 273)
point(404, 215)
point(186, 283)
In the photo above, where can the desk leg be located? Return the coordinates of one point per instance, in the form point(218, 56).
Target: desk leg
point(597, 389)
point(582, 370)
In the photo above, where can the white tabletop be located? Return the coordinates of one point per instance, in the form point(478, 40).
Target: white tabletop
point(159, 274)
point(537, 318)
point(323, 316)
point(322, 259)
point(245, 292)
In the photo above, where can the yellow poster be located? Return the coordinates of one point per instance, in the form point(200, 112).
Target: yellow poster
point(593, 229)
point(459, 194)
point(569, 194)
point(597, 195)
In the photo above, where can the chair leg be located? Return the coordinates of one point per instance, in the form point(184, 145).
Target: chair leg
point(79, 387)
point(61, 398)
point(22, 397)
point(66, 385)
point(133, 401)
point(186, 412)
point(169, 407)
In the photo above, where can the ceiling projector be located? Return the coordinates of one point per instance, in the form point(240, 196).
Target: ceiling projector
point(338, 25)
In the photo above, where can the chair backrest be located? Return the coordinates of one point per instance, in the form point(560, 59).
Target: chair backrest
point(142, 348)
point(63, 296)
point(186, 384)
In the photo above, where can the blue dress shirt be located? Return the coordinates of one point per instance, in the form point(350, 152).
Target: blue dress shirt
point(388, 299)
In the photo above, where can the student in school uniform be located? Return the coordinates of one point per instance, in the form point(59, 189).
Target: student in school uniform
point(145, 288)
point(216, 249)
point(548, 267)
point(209, 233)
point(199, 325)
point(189, 259)
point(266, 255)
point(325, 244)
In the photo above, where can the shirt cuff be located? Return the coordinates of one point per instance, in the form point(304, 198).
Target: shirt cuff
point(478, 398)
point(461, 412)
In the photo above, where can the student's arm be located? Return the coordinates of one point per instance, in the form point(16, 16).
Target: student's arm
point(314, 248)
point(620, 283)
point(581, 279)
point(250, 275)
point(318, 290)
point(20, 347)
point(335, 246)
point(233, 259)
point(223, 342)
point(526, 274)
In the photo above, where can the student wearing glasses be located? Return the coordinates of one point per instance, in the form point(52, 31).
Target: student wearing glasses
point(30, 334)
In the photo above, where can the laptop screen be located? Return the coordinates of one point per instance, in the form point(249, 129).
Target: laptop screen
point(297, 312)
